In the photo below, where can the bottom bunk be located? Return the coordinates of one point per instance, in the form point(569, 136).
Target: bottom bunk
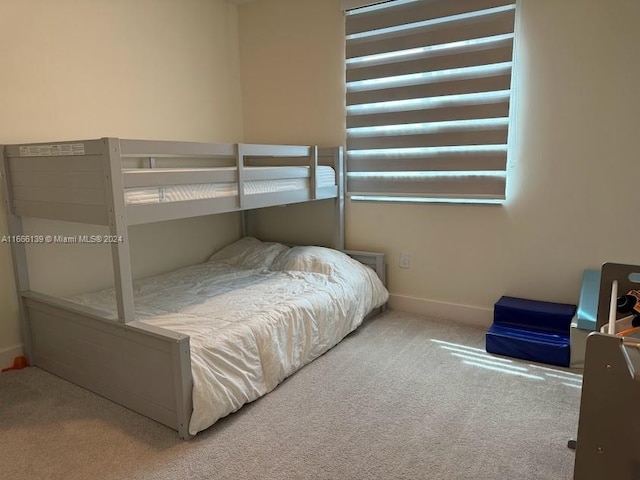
point(211, 337)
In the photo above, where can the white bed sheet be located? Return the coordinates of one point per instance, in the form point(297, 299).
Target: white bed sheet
point(250, 328)
point(325, 177)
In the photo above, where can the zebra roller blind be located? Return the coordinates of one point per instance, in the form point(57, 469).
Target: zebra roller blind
point(428, 92)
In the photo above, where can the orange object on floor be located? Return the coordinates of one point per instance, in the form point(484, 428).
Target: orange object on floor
point(18, 364)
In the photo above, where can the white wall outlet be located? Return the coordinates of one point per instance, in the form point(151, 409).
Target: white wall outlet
point(405, 259)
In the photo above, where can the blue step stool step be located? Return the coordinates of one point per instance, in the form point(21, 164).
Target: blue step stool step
point(531, 330)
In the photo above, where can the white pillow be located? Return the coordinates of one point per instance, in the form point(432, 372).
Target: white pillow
point(311, 259)
point(250, 253)
point(320, 260)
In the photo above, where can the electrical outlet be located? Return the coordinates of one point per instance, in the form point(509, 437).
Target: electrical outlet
point(405, 259)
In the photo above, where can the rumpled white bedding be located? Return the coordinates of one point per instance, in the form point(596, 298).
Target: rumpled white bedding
point(253, 322)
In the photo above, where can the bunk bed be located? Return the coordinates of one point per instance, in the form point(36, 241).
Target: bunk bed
point(124, 343)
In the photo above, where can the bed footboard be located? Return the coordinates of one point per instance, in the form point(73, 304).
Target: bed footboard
point(376, 261)
point(141, 367)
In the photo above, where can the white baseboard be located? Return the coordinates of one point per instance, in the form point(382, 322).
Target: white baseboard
point(8, 354)
point(453, 312)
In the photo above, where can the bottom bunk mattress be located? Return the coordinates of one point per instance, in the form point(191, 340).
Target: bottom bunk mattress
point(255, 313)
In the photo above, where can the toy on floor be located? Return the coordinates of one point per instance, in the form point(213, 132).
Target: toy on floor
point(630, 304)
point(18, 364)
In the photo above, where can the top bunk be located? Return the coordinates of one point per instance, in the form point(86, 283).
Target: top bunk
point(106, 180)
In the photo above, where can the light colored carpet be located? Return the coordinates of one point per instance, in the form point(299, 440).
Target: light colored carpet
point(389, 402)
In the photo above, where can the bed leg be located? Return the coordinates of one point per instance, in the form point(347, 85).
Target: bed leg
point(18, 255)
point(247, 224)
point(183, 383)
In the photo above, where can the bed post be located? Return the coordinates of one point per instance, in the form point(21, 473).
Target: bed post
point(313, 167)
point(18, 255)
point(245, 221)
point(338, 226)
point(240, 167)
point(118, 229)
point(183, 382)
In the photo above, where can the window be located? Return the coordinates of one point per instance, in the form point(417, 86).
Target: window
point(428, 94)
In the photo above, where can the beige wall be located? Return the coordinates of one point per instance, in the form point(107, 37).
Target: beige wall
point(292, 89)
point(159, 69)
point(573, 172)
point(292, 71)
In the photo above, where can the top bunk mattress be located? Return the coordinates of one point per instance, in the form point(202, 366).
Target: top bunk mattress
point(325, 177)
point(255, 313)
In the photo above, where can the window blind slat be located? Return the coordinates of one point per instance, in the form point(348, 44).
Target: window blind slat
point(486, 187)
point(446, 33)
point(481, 55)
point(463, 112)
point(472, 85)
point(495, 136)
point(403, 14)
point(458, 162)
point(351, 4)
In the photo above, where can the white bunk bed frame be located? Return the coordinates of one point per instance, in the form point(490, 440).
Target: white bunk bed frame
point(144, 368)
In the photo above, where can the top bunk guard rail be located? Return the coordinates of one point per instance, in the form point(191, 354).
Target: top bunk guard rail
point(153, 148)
point(79, 181)
point(276, 150)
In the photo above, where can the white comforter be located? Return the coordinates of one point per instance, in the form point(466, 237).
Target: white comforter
point(252, 324)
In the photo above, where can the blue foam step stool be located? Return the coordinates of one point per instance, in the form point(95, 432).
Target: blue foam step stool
point(531, 330)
